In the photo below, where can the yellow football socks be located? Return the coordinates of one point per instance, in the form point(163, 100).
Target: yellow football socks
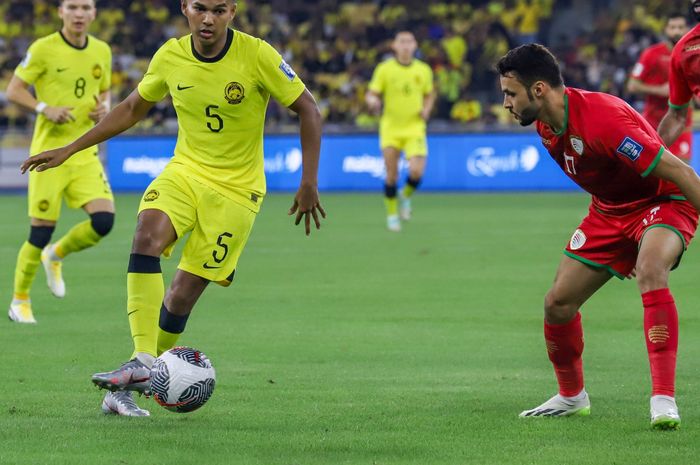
point(81, 236)
point(392, 206)
point(407, 191)
point(145, 293)
point(28, 261)
point(166, 340)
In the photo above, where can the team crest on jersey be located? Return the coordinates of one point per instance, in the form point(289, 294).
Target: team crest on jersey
point(576, 144)
point(577, 240)
point(287, 70)
point(97, 71)
point(630, 148)
point(151, 195)
point(234, 93)
point(43, 205)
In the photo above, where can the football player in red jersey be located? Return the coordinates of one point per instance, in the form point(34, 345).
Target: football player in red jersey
point(650, 78)
point(642, 216)
point(683, 81)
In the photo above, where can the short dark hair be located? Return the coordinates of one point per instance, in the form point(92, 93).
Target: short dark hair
point(676, 15)
point(531, 63)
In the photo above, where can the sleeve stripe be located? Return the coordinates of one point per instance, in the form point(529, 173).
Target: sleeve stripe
point(654, 163)
point(678, 107)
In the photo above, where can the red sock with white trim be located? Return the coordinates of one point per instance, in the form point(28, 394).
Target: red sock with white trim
point(564, 347)
point(661, 335)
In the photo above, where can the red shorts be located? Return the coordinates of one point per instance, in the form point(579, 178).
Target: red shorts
point(612, 242)
point(683, 146)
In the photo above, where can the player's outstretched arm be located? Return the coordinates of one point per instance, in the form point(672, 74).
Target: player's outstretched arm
point(18, 93)
point(675, 170)
point(306, 202)
point(672, 124)
point(133, 109)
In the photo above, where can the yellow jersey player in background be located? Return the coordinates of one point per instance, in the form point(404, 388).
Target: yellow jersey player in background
point(405, 86)
point(70, 71)
point(220, 80)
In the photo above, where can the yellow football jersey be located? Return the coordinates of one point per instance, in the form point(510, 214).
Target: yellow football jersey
point(66, 76)
point(403, 88)
point(220, 104)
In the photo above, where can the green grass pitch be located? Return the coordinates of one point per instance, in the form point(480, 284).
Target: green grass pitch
point(353, 346)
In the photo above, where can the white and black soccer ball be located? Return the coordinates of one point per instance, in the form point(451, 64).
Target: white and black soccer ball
point(182, 379)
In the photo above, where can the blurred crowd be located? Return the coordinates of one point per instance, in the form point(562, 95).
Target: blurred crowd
point(334, 45)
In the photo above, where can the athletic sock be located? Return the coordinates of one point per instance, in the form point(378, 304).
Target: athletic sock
point(81, 236)
point(410, 187)
point(390, 201)
point(661, 334)
point(564, 347)
point(145, 291)
point(28, 260)
point(170, 326)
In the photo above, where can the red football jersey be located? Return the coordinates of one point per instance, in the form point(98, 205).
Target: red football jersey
point(684, 78)
point(653, 68)
point(608, 149)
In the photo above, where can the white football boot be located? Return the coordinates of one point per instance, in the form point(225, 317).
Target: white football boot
point(21, 311)
point(393, 223)
point(52, 266)
point(405, 208)
point(560, 406)
point(122, 403)
point(664, 413)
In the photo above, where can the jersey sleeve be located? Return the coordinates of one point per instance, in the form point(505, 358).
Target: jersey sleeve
point(277, 77)
point(33, 65)
point(680, 92)
point(153, 87)
point(642, 68)
point(428, 86)
point(623, 137)
point(376, 84)
point(106, 82)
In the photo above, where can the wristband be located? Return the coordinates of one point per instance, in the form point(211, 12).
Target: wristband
point(40, 107)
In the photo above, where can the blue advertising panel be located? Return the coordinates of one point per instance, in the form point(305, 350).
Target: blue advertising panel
point(459, 162)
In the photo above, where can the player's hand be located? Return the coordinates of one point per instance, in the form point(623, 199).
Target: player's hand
point(99, 112)
point(374, 104)
point(45, 160)
point(59, 115)
point(425, 114)
point(307, 205)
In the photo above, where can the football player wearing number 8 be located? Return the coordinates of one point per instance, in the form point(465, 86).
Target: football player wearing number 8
point(220, 81)
point(70, 72)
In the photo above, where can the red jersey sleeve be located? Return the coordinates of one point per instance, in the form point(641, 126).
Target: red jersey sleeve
point(626, 137)
point(641, 69)
point(680, 92)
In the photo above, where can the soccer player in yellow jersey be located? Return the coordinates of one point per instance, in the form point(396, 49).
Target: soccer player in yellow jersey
point(220, 80)
point(404, 85)
point(70, 72)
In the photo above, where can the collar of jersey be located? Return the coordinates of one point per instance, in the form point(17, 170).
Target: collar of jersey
point(87, 39)
point(566, 116)
point(220, 55)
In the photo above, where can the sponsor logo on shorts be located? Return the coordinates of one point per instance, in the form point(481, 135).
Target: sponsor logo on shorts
point(576, 144)
point(234, 93)
point(577, 240)
point(43, 205)
point(151, 195)
point(630, 148)
point(658, 334)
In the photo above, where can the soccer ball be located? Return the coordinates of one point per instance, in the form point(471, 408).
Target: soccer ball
point(182, 379)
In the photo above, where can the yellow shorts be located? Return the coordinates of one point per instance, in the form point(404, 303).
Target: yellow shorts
point(77, 184)
point(218, 226)
point(411, 146)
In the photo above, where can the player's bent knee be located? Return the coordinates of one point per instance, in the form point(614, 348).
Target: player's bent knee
point(652, 277)
point(102, 222)
point(40, 236)
point(558, 310)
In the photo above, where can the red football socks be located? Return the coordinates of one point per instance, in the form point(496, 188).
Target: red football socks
point(564, 347)
point(661, 335)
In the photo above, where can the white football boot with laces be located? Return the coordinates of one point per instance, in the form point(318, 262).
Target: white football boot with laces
point(405, 208)
point(122, 403)
point(21, 311)
point(393, 223)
